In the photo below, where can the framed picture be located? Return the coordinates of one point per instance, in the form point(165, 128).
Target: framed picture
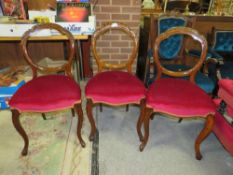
point(73, 11)
point(13, 8)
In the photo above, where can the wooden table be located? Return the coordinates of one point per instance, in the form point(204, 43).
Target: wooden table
point(43, 46)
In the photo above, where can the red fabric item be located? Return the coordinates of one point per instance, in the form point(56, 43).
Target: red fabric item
point(228, 108)
point(226, 91)
point(230, 111)
point(46, 93)
point(180, 98)
point(115, 88)
point(224, 132)
point(217, 101)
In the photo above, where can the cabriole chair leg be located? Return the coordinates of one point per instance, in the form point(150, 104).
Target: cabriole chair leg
point(91, 119)
point(78, 108)
point(148, 113)
point(203, 134)
point(140, 119)
point(21, 131)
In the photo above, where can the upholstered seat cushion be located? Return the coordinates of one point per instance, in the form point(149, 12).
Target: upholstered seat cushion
point(203, 81)
point(179, 97)
point(226, 91)
point(46, 93)
point(115, 88)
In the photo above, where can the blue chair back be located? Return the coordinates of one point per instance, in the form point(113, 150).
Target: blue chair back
point(223, 41)
point(170, 47)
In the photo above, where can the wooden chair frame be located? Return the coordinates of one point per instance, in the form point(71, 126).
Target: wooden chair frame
point(191, 73)
point(110, 66)
point(37, 68)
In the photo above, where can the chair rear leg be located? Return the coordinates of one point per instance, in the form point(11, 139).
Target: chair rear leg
point(127, 108)
point(180, 120)
point(140, 119)
point(73, 112)
point(203, 134)
point(89, 107)
point(148, 113)
point(101, 107)
point(21, 131)
point(78, 108)
point(43, 115)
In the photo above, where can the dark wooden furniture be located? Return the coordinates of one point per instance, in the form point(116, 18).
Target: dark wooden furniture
point(41, 47)
point(48, 92)
point(178, 97)
point(203, 24)
point(111, 86)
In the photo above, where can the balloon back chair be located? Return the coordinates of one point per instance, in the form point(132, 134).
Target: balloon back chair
point(48, 92)
point(171, 51)
point(178, 97)
point(113, 86)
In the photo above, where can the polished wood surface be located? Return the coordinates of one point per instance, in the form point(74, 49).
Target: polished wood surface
point(42, 38)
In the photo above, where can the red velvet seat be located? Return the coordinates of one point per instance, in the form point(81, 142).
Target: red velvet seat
point(226, 91)
point(47, 93)
point(119, 88)
point(223, 124)
point(179, 97)
point(111, 85)
point(224, 132)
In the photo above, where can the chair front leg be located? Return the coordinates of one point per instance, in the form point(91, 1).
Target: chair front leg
point(148, 113)
point(21, 131)
point(203, 134)
point(78, 108)
point(89, 107)
point(141, 118)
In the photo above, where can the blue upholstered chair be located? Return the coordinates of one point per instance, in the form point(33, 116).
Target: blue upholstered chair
point(223, 47)
point(172, 50)
point(219, 59)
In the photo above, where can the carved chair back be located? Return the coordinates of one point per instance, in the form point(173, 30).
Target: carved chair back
point(192, 71)
point(66, 67)
point(101, 62)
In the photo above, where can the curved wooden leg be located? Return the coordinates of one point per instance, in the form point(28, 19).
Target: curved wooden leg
point(78, 108)
point(203, 134)
point(148, 113)
point(21, 131)
point(91, 119)
point(141, 118)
